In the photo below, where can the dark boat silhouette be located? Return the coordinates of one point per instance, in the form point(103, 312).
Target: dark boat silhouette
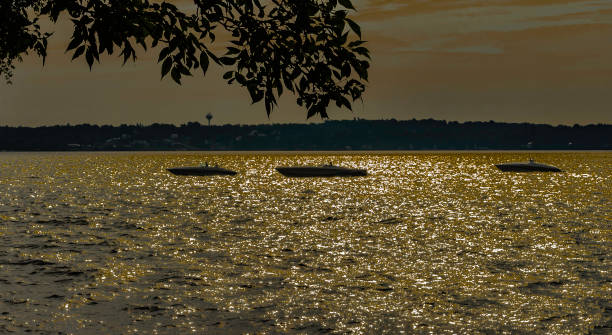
point(203, 170)
point(328, 170)
point(530, 166)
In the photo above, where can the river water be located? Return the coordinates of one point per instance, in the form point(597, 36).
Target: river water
point(434, 243)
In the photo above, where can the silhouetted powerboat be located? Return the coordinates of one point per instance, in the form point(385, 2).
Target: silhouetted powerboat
point(203, 170)
point(320, 171)
point(530, 166)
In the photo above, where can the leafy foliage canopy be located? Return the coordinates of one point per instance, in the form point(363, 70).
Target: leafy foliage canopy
point(308, 47)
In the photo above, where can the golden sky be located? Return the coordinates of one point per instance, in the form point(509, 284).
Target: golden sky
point(546, 61)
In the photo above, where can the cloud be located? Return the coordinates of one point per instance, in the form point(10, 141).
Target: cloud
point(469, 26)
point(482, 49)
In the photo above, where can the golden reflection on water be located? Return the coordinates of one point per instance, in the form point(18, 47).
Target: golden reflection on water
point(428, 242)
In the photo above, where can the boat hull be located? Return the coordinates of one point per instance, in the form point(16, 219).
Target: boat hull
point(200, 171)
point(527, 167)
point(320, 171)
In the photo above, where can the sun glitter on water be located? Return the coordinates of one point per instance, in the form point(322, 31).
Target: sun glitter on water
point(427, 242)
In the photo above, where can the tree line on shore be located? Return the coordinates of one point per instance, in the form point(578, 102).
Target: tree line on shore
point(357, 134)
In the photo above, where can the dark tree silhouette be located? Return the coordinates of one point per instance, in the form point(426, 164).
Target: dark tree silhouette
point(19, 33)
point(209, 117)
point(330, 135)
point(309, 47)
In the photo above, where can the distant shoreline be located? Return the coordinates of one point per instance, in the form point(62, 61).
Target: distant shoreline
point(346, 136)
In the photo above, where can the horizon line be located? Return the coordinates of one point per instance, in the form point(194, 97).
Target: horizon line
point(306, 124)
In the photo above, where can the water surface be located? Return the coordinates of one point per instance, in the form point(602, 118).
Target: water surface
point(427, 243)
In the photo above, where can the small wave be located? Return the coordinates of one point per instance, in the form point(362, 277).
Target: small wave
point(38, 262)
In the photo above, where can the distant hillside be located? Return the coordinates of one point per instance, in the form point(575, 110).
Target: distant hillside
point(331, 135)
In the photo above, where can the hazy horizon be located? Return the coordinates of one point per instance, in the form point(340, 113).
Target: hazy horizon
point(309, 122)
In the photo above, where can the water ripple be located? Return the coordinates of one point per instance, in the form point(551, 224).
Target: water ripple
point(427, 243)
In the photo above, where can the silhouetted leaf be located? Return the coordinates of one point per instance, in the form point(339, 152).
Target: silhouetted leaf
point(268, 107)
point(166, 67)
point(183, 70)
point(232, 51)
point(74, 43)
point(89, 57)
point(240, 79)
point(311, 112)
point(256, 94)
point(346, 4)
point(279, 87)
point(355, 43)
point(354, 26)
point(163, 54)
point(227, 60)
point(79, 51)
point(204, 62)
point(176, 75)
point(213, 57)
point(342, 101)
point(362, 51)
point(94, 52)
